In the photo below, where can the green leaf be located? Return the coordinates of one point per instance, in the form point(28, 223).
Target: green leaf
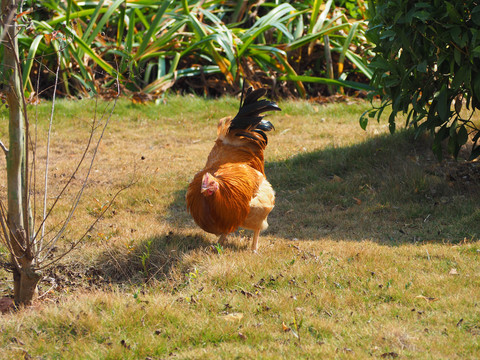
point(359, 63)
point(391, 123)
point(453, 14)
point(321, 19)
point(452, 146)
point(380, 63)
point(27, 67)
point(105, 17)
point(476, 51)
point(314, 16)
point(422, 67)
point(364, 120)
point(320, 80)
point(273, 19)
point(130, 32)
point(391, 81)
point(99, 9)
point(69, 10)
point(156, 21)
point(440, 135)
point(476, 15)
point(455, 33)
point(475, 153)
point(304, 40)
point(388, 34)
point(298, 28)
point(89, 51)
point(462, 76)
point(442, 104)
point(77, 15)
point(453, 128)
point(347, 43)
point(462, 135)
point(476, 86)
point(163, 41)
point(457, 55)
point(422, 15)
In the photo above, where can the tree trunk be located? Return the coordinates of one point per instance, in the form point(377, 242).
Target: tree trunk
point(24, 276)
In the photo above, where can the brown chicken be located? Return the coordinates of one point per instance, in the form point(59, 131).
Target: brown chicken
point(232, 190)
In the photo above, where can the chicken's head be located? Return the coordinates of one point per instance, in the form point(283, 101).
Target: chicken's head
point(209, 185)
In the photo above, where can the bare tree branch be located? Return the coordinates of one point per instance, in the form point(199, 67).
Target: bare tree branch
point(3, 223)
point(47, 161)
point(75, 243)
point(7, 234)
point(33, 173)
point(72, 176)
point(76, 200)
point(79, 194)
point(8, 22)
point(4, 148)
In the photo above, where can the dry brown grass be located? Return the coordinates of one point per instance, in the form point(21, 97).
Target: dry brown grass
point(357, 262)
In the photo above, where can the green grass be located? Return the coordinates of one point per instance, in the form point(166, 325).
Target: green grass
point(357, 262)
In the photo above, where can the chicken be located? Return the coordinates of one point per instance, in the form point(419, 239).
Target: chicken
point(232, 190)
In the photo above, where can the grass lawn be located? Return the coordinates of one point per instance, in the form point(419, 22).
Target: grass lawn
point(372, 251)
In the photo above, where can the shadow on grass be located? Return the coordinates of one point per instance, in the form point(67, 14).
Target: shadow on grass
point(153, 258)
point(389, 189)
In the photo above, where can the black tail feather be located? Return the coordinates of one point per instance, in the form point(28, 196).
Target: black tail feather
point(249, 116)
point(252, 96)
point(265, 125)
point(262, 134)
point(246, 135)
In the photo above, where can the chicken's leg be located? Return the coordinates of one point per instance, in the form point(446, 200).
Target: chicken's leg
point(255, 240)
point(222, 240)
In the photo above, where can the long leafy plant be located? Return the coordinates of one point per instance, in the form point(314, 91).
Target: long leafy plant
point(148, 45)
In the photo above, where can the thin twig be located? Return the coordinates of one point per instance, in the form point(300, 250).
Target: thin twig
point(79, 194)
point(46, 292)
point(7, 23)
point(4, 148)
point(3, 223)
point(72, 176)
point(75, 244)
point(77, 198)
point(8, 234)
point(34, 163)
point(47, 162)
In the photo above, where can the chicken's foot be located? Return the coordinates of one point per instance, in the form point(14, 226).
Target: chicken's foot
point(222, 240)
point(255, 240)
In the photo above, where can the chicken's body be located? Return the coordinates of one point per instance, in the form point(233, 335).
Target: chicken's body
point(232, 190)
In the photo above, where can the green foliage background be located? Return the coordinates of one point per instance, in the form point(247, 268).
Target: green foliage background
point(427, 65)
point(420, 58)
point(200, 46)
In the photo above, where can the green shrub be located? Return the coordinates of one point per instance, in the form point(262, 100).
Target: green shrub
point(427, 65)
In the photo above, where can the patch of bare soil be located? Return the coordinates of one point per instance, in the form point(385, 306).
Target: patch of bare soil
point(6, 305)
point(69, 277)
point(463, 175)
point(60, 279)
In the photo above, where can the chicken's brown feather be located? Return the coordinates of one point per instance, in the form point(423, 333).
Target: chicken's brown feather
point(227, 209)
point(236, 161)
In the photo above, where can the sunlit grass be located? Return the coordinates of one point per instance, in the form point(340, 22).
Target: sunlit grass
point(372, 250)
